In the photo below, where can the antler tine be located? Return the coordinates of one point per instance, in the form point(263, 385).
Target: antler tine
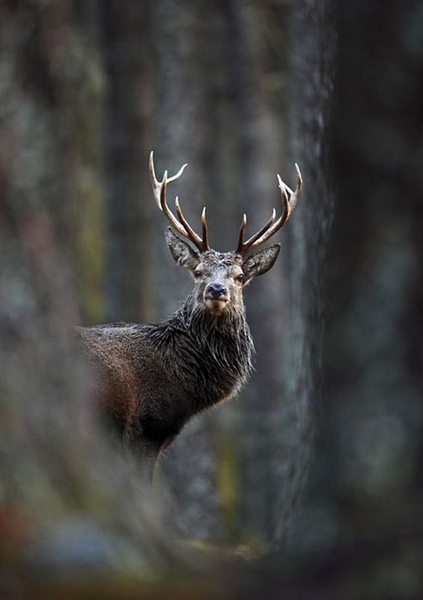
point(241, 234)
point(205, 230)
point(272, 226)
point(241, 244)
point(166, 210)
point(194, 237)
point(156, 185)
point(182, 226)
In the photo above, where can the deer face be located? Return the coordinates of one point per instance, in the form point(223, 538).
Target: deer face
point(220, 277)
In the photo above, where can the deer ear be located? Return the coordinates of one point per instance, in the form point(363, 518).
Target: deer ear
point(260, 262)
point(182, 253)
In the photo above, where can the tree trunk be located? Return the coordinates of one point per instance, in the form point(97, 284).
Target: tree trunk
point(373, 363)
point(129, 275)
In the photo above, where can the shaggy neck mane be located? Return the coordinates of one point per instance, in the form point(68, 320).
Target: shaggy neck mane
point(212, 354)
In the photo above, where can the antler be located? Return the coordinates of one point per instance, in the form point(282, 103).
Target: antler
point(272, 225)
point(180, 224)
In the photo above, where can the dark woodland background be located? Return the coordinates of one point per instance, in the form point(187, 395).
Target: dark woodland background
point(310, 484)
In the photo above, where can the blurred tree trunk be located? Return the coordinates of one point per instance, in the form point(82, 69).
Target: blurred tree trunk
point(125, 38)
point(373, 363)
point(306, 256)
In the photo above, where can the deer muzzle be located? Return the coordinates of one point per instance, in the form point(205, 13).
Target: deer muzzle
point(216, 296)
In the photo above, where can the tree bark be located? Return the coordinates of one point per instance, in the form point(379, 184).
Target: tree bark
point(125, 37)
point(373, 353)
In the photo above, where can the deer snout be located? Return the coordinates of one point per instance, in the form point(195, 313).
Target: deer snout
point(216, 290)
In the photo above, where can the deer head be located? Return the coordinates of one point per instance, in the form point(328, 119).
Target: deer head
point(220, 277)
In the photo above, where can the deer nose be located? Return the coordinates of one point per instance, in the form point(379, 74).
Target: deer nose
point(216, 290)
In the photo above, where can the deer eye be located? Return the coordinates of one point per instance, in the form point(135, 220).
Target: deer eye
point(197, 273)
point(240, 277)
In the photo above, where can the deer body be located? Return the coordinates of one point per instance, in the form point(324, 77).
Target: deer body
point(151, 379)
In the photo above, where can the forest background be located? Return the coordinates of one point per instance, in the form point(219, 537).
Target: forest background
point(314, 473)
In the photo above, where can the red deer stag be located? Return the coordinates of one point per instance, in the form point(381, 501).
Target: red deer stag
point(153, 378)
